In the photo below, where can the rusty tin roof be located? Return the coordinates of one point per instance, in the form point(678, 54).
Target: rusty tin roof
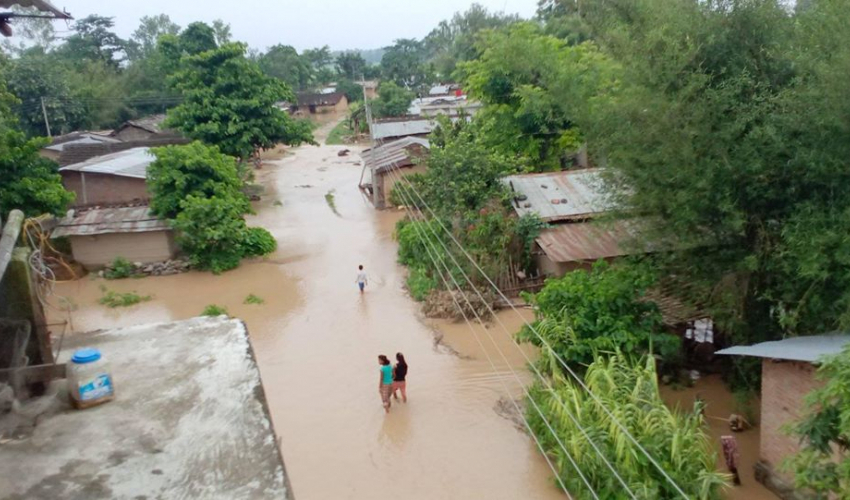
point(110, 220)
point(557, 196)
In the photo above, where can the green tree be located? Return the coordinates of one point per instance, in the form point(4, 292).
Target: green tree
point(353, 92)
point(193, 170)
point(222, 32)
point(94, 40)
point(35, 75)
point(211, 232)
point(392, 100)
point(350, 64)
point(404, 64)
point(585, 313)
point(453, 41)
point(823, 466)
point(729, 128)
point(229, 102)
point(321, 60)
point(147, 34)
point(284, 63)
point(535, 87)
point(30, 182)
point(196, 38)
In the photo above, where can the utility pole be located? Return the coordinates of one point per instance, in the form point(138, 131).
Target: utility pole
point(46, 122)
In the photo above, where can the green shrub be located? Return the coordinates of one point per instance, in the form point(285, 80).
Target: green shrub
point(121, 268)
point(214, 310)
point(193, 170)
point(419, 283)
point(253, 299)
point(211, 231)
point(604, 310)
point(114, 299)
point(258, 241)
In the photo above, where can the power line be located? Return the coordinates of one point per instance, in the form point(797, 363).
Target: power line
point(542, 340)
point(543, 379)
point(496, 371)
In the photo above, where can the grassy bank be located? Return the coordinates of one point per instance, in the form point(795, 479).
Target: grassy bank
point(341, 130)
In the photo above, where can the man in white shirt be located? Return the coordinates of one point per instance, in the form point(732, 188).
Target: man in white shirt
point(361, 278)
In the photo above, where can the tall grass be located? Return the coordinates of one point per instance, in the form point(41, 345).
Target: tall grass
point(675, 439)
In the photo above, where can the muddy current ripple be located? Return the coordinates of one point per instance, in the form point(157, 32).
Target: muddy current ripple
point(316, 340)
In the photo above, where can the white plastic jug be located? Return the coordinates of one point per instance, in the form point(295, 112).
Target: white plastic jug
point(89, 380)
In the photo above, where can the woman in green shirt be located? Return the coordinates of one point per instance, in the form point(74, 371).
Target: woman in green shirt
point(385, 381)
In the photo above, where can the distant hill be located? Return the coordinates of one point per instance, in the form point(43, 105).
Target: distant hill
point(372, 56)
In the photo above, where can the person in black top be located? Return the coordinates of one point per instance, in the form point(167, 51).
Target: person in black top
point(399, 376)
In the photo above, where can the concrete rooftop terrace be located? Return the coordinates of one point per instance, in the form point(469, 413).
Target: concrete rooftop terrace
point(189, 420)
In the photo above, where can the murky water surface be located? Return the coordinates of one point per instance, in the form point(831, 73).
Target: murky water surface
point(316, 340)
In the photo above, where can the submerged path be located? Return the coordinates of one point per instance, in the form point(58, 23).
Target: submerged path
point(317, 339)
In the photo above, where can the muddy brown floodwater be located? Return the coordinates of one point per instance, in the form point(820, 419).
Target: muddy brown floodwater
point(316, 340)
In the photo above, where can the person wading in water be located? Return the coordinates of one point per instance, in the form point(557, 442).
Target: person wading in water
point(361, 280)
point(399, 374)
point(385, 381)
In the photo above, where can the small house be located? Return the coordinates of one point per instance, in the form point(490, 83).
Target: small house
point(63, 142)
point(389, 162)
point(98, 236)
point(117, 178)
point(144, 129)
point(320, 103)
point(787, 375)
point(570, 202)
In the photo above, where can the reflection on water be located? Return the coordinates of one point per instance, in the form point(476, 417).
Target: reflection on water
point(316, 339)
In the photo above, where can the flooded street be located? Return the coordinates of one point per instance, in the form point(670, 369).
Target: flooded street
point(316, 340)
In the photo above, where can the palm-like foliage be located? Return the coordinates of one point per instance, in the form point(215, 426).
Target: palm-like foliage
point(675, 439)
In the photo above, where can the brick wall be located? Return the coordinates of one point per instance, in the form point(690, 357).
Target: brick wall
point(784, 387)
point(104, 189)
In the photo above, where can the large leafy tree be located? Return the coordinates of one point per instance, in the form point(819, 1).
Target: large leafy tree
point(392, 100)
point(534, 87)
point(284, 63)
point(453, 40)
point(823, 466)
point(147, 34)
point(321, 60)
point(196, 38)
point(94, 40)
point(351, 65)
point(404, 64)
point(30, 182)
point(192, 170)
point(230, 102)
point(730, 129)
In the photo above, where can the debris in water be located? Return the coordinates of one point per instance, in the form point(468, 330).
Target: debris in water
point(329, 197)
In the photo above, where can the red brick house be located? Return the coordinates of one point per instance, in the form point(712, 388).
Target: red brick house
point(788, 375)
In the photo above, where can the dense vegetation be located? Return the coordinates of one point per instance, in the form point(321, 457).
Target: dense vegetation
point(200, 189)
point(629, 390)
point(823, 466)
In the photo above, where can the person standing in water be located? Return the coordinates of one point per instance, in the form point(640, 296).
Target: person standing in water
point(361, 280)
point(385, 381)
point(399, 374)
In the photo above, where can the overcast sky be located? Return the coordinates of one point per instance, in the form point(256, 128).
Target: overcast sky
point(342, 24)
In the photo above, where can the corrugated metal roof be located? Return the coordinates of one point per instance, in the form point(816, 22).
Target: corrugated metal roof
point(578, 241)
point(553, 196)
point(82, 138)
point(42, 5)
point(110, 220)
point(439, 89)
point(393, 154)
point(383, 130)
point(130, 163)
point(808, 348)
